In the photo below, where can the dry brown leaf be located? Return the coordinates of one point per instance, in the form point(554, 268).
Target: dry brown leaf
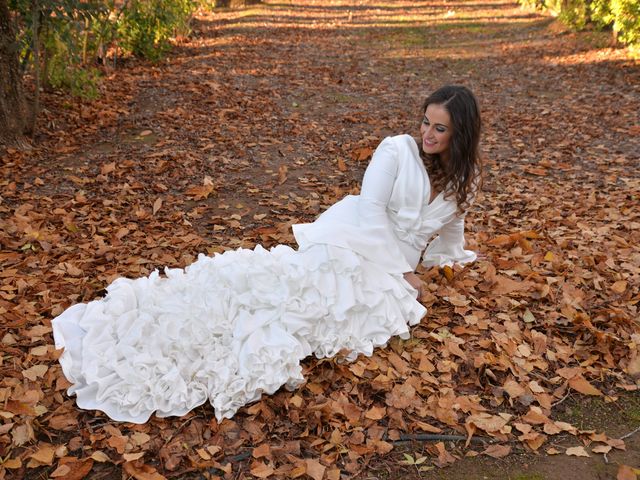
point(282, 174)
point(376, 413)
point(132, 457)
point(108, 168)
point(513, 388)
point(200, 192)
point(444, 457)
point(401, 396)
point(142, 472)
point(263, 450)
point(625, 472)
point(315, 469)
point(576, 452)
point(12, 463)
point(361, 154)
point(581, 385)
point(487, 422)
point(44, 455)
point(71, 468)
point(261, 470)
point(35, 372)
point(497, 451)
point(534, 440)
point(505, 286)
point(619, 287)
point(535, 416)
point(157, 205)
point(601, 449)
point(22, 434)
point(139, 438)
point(100, 456)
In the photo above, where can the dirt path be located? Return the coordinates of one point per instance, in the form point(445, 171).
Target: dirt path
point(267, 115)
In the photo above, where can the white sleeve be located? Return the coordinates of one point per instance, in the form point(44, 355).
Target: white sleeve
point(371, 233)
point(448, 247)
point(375, 192)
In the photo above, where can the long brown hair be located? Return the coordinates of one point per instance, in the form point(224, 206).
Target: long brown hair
point(461, 175)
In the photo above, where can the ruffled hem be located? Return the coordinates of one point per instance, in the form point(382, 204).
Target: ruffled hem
point(227, 329)
point(442, 259)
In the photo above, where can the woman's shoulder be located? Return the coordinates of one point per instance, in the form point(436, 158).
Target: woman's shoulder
point(403, 139)
point(402, 143)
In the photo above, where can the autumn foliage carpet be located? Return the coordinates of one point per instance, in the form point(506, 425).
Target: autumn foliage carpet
point(264, 117)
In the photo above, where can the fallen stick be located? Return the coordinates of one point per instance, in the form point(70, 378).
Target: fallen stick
point(630, 433)
point(433, 437)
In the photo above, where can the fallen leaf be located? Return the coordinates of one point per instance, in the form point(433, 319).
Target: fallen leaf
point(44, 455)
point(601, 449)
point(401, 396)
point(143, 472)
point(263, 450)
point(35, 372)
point(108, 168)
point(619, 287)
point(200, 192)
point(157, 205)
point(376, 413)
point(130, 457)
point(581, 385)
point(576, 452)
point(315, 469)
point(625, 472)
point(100, 456)
point(261, 470)
point(282, 174)
point(497, 451)
point(12, 463)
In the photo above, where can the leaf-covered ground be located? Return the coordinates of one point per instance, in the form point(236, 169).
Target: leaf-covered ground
point(263, 118)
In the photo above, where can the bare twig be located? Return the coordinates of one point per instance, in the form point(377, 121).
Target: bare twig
point(431, 437)
point(630, 433)
point(561, 400)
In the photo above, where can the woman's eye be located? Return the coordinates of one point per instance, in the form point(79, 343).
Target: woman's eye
point(425, 121)
point(441, 130)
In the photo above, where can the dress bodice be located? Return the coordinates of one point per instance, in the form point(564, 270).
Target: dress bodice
point(392, 220)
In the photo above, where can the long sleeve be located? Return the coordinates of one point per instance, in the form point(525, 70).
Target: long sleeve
point(375, 193)
point(448, 247)
point(361, 223)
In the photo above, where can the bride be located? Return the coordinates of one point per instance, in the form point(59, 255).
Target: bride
point(231, 327)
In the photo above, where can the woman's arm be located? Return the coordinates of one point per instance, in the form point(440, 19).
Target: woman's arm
point(375, 193)
point(448, 247)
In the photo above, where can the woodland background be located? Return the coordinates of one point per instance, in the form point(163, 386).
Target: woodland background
point(165, 129)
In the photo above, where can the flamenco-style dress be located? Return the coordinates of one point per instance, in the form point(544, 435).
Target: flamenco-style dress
point(230, 327)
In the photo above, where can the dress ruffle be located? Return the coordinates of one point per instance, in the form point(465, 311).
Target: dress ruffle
point(227, 329)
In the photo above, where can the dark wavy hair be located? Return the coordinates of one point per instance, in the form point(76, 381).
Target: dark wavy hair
point(461, 175)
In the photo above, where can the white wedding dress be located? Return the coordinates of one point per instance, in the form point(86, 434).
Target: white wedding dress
point(231, 327)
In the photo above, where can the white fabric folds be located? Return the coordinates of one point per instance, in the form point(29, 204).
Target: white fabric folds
point(227, 329)
point(392, 221)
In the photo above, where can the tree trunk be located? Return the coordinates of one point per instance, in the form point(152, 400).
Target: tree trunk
point(35, 26)
point(13, 106)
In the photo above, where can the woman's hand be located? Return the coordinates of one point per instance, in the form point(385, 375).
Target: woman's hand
point(415, 282)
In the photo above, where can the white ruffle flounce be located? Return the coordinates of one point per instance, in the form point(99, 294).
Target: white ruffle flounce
point(227, 329)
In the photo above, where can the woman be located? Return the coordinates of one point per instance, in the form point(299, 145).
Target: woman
point(231, 327)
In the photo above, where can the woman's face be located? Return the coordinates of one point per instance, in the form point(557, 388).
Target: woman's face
point(436, 131)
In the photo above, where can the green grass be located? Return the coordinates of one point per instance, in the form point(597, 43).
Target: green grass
point(528, 476)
